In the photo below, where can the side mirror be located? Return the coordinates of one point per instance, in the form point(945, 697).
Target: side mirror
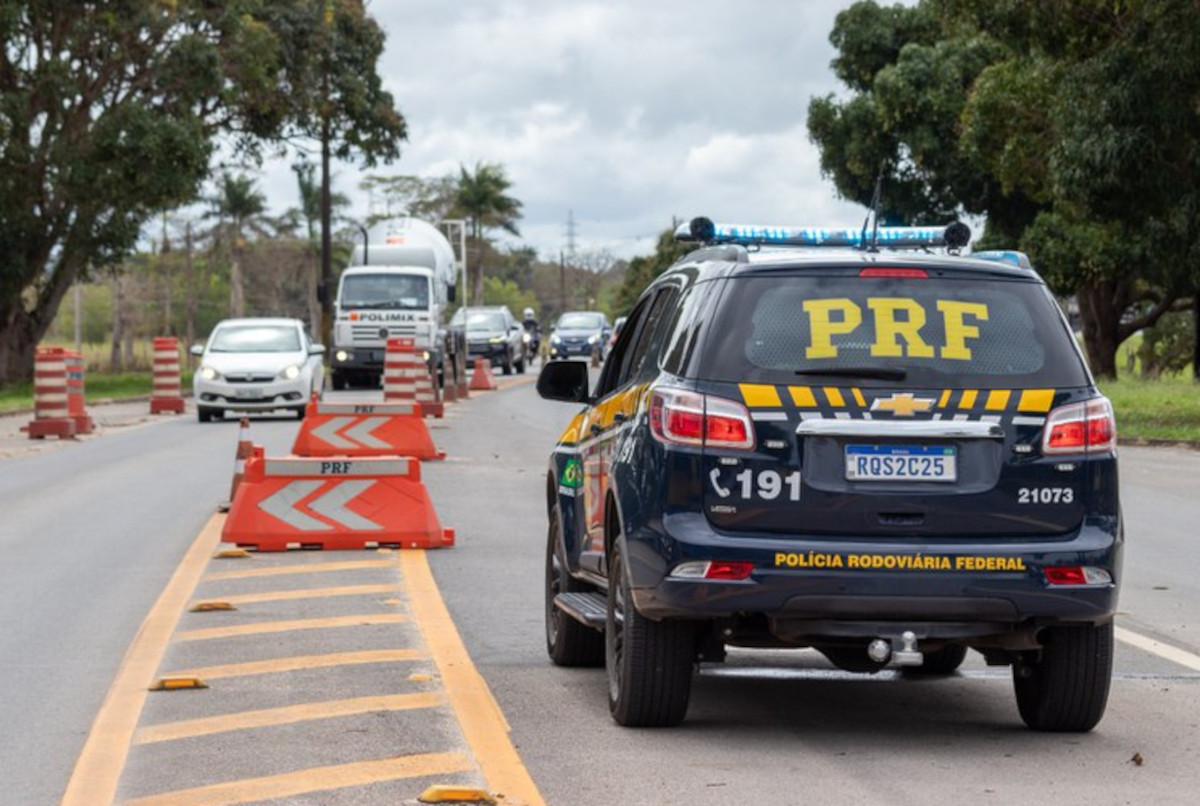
point(317, 349)
point(197, 350)
point(564, 380)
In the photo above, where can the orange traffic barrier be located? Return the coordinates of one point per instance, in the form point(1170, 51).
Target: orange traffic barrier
point(167, 395)
point(365, 429)
point(51, 411)
point(76, 402)
point(407, 378)
point(302, 503)
point(482, 378)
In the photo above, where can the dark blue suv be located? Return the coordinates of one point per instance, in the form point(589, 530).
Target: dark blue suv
point(889, 456)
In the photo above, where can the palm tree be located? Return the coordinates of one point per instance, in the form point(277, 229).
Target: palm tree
point(238, 206)
point(309, 188)
point(482, 200)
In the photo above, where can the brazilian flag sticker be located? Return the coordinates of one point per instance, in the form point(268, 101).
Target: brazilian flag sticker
point(572, 475)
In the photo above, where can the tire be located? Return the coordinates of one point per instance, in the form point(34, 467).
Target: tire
point(521, 364)
point(508, 363)
point(1066, 689)
point(206, 413)
point(941, 661)
point(649, 663)
point(339, 381)
point(568, 643)
point(300, 412)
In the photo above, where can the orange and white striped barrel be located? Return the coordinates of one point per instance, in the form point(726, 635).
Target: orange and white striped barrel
point(407, 379)
point(168, 394)
point(76, 404)
point(50, 408)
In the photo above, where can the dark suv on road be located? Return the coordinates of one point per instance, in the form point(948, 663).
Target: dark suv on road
point(890, 456)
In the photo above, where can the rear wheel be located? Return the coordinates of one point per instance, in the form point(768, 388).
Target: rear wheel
point(1066, 688)
point(568, 642)
point(508, 363)
point(649, 663)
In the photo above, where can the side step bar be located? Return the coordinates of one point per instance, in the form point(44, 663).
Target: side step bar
point(586, 608)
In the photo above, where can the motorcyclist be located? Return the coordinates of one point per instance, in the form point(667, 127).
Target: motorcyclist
point(533, 330)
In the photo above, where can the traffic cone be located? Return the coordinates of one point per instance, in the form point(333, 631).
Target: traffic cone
point(482, 378)
point(245, 449)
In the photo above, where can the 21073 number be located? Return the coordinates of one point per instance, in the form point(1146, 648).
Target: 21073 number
point(1045, 495)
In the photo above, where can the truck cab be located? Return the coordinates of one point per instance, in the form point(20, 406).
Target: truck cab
point(397, 286)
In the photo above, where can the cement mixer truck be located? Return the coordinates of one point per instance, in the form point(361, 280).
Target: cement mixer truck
point(398, 284)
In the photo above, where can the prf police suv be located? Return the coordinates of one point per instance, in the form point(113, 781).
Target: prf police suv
point(885, 454)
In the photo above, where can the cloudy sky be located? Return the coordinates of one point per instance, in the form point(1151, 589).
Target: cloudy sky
point(626, 112)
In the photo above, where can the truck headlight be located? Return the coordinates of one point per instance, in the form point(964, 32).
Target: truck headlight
point(209, 374)
point(342, 355)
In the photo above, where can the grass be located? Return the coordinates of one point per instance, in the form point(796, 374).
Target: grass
point(1166, 409)
point(97, 386)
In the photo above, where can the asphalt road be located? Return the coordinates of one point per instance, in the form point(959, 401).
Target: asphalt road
point(91, 532)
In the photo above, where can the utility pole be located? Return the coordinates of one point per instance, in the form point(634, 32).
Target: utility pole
point(562, 283)
point(571, 234)
point(326, 216)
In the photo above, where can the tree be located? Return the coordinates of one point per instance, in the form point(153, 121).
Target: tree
point(643, 269)
point(309, 212)
point(238, 207)
point(482, 199)
point(1047, 118)
point(427, 199)
point(108, 116)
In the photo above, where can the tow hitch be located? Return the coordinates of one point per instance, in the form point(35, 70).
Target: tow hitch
point(881, 651)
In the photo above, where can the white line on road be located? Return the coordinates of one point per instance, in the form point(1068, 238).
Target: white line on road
point(1165, 651)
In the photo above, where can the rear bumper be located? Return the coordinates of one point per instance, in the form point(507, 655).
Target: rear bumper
point(826, 587)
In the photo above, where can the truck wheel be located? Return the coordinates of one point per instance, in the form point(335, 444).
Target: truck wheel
point(339, 381)
point(649, 663)
point(1067, 688)
point(568, 642)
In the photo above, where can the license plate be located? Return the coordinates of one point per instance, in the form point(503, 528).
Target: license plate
point(900, 463)
point(248, 393)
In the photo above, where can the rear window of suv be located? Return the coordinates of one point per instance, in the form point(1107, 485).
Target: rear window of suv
point(950, 333)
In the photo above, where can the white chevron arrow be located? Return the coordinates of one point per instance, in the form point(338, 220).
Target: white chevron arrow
point(332, 505)
point(357, 434)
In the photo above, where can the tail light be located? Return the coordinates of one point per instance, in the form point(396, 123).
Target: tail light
point(1087, 427)
point(680, 417)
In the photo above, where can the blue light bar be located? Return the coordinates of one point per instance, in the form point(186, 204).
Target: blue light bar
point(702, 230)
point(1010, 256)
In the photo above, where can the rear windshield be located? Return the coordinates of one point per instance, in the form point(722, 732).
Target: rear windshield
point(919, 332)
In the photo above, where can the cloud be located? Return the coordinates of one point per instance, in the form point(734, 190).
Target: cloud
point(626, 113)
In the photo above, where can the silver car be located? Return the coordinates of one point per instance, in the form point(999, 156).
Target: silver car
point(257, 365)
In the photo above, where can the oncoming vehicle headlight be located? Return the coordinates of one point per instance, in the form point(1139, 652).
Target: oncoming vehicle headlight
point(342, 355)
point(290, 373)
point(593, 339)
point(555, 339)
point(208, 373)
point(496, 339)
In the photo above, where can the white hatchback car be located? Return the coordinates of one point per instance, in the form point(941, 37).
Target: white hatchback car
point(257, 365)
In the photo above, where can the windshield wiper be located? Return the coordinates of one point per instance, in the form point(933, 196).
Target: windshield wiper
point(873, 373)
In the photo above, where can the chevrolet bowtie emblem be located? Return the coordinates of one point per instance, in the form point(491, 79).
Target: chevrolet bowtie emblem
point(902, 404)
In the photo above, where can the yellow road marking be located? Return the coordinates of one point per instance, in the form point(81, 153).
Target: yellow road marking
point(309, 593)
point(1165, 651)
point(288, 715)
point(302, 782)
point(319, 568)
point(94, 779)
point(299, 662)
point(366, 620)
point(483, 724)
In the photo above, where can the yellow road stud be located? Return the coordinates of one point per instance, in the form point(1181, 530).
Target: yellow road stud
point(441, 793)
point(177, 683)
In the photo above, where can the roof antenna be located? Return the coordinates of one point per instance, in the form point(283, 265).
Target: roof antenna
point(873, 212)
